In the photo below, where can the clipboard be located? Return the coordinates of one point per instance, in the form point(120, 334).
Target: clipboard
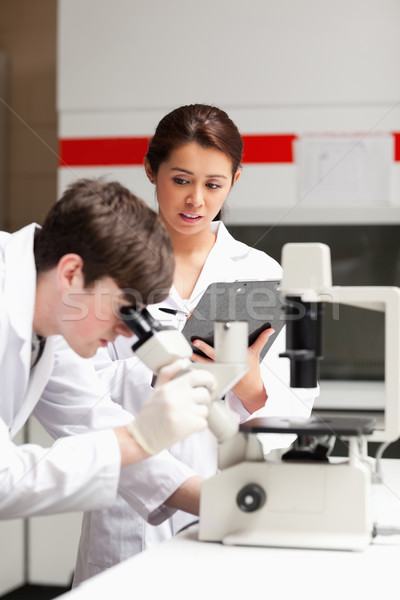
point(257, 302)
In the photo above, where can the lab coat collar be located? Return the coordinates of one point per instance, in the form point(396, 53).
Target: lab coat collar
point(219, 266)
point(20, 290)
point(226, 242)
point(20, 280)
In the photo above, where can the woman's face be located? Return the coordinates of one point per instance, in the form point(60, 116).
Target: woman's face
point(192, 186)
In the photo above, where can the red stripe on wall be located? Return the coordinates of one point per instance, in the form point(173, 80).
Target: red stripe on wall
point(102, 151)
point(396, 145)
point(130, 151)
point(81, 152)
point(268, 148)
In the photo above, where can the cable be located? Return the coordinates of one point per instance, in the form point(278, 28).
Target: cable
point(385, 530)
point(187, 526)
point(378, 461)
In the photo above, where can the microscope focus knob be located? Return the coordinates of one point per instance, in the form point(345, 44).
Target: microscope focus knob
point(251, 497)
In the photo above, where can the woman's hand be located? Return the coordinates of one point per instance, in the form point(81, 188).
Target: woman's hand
point(250, 389)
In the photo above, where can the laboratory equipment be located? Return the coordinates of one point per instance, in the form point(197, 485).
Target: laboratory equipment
point(304, 498)
point(158, 345)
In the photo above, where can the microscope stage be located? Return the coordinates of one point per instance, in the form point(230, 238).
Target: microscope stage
point(339, 426)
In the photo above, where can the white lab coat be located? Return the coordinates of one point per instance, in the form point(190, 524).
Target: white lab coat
point(112, 535)
point(81, 472)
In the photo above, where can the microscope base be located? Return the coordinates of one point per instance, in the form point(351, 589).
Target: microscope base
point(296, 504)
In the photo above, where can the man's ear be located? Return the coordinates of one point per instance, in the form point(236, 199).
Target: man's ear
point(237, 175)
point(70, 272)
point(149, 170)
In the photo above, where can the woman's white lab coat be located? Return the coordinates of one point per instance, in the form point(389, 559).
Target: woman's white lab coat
point(81, 472)
point(112, 535)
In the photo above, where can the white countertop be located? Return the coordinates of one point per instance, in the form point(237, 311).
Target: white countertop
point(186, 569)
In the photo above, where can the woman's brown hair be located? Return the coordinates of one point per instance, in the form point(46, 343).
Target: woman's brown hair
point(208, 126)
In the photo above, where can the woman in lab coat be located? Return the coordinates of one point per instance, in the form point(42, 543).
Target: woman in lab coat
point(193, 161)
point(62, 280)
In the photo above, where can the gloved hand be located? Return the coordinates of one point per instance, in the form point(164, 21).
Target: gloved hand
point(176, 408)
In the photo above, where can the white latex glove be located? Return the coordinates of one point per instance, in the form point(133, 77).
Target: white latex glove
point(176, 408)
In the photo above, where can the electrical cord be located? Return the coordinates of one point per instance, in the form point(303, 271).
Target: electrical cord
point(378, 477)
point(187, 526)
point(385, 530)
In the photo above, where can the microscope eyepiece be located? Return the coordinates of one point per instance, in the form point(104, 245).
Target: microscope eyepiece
point(137, 321)
point(141, 322)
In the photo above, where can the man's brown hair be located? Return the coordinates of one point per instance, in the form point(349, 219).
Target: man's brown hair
point(115, 233)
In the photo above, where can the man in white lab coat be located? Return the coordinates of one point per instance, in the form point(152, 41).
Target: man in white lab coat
point(100, 247)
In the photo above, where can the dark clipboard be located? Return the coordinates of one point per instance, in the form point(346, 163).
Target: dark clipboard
point(257, 302)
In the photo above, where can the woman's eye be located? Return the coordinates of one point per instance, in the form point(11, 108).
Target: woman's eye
point(213, 186)
point(180, 181)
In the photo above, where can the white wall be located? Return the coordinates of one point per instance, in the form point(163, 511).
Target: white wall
point(294, 66)
point(131, 54)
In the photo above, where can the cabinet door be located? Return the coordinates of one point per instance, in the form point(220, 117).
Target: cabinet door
point(12, 548)
point(53, 539)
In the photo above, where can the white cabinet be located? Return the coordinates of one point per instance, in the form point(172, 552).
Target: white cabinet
point(40, 550)
point(52, 540)
point(12, 550)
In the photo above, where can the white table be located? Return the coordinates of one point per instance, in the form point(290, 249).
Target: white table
point(186, 569)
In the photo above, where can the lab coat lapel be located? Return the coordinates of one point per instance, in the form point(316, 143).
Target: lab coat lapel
point(219, 266)
point(38, 378)
point(20, 289)
point(19, 285)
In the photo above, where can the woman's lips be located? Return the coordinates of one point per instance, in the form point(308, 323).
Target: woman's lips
point(190, 218)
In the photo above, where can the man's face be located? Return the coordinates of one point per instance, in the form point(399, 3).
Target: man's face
point(89, 317)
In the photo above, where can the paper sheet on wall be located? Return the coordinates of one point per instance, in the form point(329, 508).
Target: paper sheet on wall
point(345, 169)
